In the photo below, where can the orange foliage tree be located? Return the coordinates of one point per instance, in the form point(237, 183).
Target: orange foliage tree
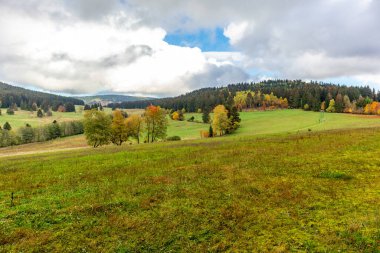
point(155, 123)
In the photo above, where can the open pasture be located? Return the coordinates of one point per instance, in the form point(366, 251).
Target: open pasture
point(315, 192)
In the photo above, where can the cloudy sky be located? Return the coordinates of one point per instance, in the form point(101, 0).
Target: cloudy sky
point(168, 47)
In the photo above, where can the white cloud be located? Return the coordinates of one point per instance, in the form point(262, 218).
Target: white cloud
point(236, 31)
point(85, 46)
point(85, 56)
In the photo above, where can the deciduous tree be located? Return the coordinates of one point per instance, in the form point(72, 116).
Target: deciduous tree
point(220, 121)
point(135, 126)
point(155, 123)
point(97, 128)
point(119, 130)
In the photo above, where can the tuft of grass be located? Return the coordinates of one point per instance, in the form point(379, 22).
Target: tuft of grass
point(335, 175)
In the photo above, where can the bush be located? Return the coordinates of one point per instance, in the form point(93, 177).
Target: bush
point(10, 111)
point(8, 138)
point(27, 134)
point(173, 138)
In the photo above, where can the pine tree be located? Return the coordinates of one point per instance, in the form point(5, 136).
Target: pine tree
point(206, 115)
point(40, 113)
point(210, 132)
point(7, 126)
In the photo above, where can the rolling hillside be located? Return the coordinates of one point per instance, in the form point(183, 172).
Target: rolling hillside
point(12, 94)
point(107, 99)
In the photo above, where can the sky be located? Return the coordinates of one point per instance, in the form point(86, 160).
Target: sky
point(169, 47)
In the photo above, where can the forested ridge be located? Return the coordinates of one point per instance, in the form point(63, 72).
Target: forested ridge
point(10, 95)
point(298, 94)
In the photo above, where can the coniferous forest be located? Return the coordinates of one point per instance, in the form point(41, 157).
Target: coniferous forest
point(24, 98)
point(298, 94)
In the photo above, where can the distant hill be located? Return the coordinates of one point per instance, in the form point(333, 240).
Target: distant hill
point(107, 99)
point(297, 92)
point(10, 95)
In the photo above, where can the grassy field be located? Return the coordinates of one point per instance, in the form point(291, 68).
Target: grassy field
point(253, 123)
point(315, 192)
point(21, 118)
point(287, 121)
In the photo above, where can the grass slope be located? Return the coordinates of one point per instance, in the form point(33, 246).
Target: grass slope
point(21, 118)
point(302, 192)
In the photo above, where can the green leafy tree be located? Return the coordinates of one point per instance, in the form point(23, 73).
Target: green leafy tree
point(53, 130)
point(10, 111)
point(97, 128)
point(27, 134)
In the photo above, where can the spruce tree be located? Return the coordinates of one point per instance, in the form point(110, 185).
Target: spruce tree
point(206, 115)
point(40, 114)
point(7, 126)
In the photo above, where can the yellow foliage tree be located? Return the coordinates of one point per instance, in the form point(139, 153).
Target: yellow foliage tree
point(220, 121)
point(175, 116)
point(240, 100)
point(134, 125)
point(119, 131)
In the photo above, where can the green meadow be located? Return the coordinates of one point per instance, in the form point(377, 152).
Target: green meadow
point(299, 192)
point(21, 118)
point(286, 181)
point(253, 123)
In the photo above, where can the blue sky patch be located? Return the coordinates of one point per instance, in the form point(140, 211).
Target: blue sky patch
point(206, 39)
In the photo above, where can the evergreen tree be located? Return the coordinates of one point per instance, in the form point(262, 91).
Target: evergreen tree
point(7, 126)
point(234, 120)
point(34, 106)
point(210, 132)
point(206, 115)
point(339, 103)
point(70, 107)
point(40, 113)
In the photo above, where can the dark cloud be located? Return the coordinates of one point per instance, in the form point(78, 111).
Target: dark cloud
point(214, 75)
point(131, 54)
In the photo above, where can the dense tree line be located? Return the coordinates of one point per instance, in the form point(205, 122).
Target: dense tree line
point(297, 93)
point(29, 134)
point(11, 96)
